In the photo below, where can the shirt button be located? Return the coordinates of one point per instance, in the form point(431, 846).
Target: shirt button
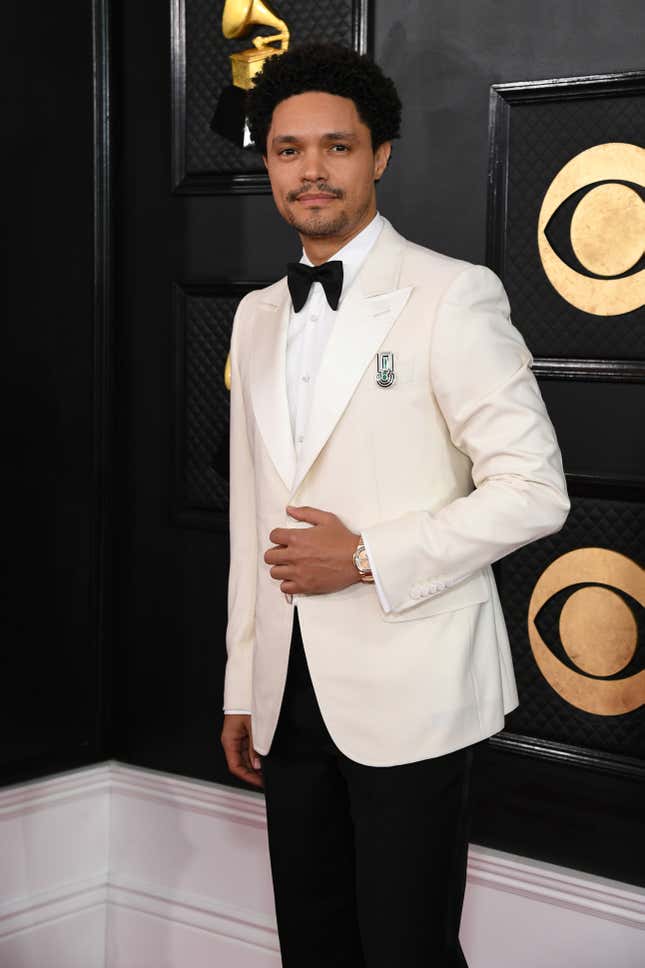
point(306, 378)
point(300, 439)
point(314, 317)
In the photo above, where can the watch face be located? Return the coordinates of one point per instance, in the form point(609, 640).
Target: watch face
point(362, 561)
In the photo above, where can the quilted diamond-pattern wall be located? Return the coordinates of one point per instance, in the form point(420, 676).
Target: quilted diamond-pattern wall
point(204, 318)
point(542, 713)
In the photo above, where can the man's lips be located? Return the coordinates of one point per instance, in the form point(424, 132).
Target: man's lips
point(315, 199)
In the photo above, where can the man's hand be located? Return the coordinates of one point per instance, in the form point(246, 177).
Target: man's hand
point(237, 740)
point(312, 561)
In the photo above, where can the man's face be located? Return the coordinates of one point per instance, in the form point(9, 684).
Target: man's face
point(322, 166)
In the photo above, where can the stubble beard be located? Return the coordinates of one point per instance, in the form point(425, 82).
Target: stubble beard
point(320, 224)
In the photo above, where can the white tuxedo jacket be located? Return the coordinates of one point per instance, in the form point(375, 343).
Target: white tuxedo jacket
point(449, 469)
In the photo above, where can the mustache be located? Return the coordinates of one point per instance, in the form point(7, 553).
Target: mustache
point(321, 187)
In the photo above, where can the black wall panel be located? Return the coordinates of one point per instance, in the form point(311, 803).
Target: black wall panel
point(52, 673)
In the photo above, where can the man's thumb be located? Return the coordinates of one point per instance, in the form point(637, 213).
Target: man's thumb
point(306, 514)
point(255, 759)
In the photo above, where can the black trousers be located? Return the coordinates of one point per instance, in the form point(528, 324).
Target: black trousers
point(368, 863)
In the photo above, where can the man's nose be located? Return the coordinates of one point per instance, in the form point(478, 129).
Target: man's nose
point(314, 167)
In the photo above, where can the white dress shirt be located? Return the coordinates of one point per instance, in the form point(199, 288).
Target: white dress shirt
point(310, 329)
point(307, 336)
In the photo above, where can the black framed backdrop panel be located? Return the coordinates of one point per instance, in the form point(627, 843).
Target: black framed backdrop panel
point(536, 129)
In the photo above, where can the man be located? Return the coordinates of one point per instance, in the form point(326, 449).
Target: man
point(388, 443)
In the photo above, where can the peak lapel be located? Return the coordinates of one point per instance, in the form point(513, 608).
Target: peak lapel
point(269, 381)
point(366, 315)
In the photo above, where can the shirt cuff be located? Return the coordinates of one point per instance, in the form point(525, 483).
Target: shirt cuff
point(385, 605)
point(245, 712)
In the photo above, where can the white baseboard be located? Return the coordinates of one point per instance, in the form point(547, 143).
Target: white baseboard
point(72, 940)
point(195, 911)
point(571, 890)
point(521, 913)
point(119, 867)
point(43, 907)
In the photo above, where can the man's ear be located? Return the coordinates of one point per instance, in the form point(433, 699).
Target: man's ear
point(381, 159)
point(264, 159)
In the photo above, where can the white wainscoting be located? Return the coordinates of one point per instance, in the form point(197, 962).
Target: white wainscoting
point(116, 867)
point(54, 871)
point(190, 881)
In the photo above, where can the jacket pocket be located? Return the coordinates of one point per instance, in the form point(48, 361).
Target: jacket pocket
point(470, 591)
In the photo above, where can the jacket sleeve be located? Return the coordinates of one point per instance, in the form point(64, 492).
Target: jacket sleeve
point(240, 632)
point(480, 374)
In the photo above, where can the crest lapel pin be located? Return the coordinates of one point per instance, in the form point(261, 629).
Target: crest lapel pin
point(385, 375)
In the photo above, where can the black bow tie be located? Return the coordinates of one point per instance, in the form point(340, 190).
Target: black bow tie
point(301, 276)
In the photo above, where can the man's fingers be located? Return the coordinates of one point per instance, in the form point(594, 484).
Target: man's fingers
point(281, 572)
point(239, 766)
point(276, 556)
point(280, 536)
point(246, 774)
point(255, 759)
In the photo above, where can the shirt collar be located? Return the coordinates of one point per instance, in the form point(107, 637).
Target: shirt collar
point(354, 253)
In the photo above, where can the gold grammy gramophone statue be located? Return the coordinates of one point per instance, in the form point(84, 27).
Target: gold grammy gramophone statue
point(238, 18)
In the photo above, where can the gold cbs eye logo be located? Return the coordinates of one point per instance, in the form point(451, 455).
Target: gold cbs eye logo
point(607, 229)
point(597, 628)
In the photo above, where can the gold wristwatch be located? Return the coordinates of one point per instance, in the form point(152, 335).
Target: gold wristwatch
point(362, 563)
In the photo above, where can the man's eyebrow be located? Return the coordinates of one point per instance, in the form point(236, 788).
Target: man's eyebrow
point(282, 139)
point(340, 136)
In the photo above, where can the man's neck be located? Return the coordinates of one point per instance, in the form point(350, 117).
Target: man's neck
point(319, 249)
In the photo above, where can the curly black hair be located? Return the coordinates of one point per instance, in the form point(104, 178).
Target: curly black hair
point(331, 69)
